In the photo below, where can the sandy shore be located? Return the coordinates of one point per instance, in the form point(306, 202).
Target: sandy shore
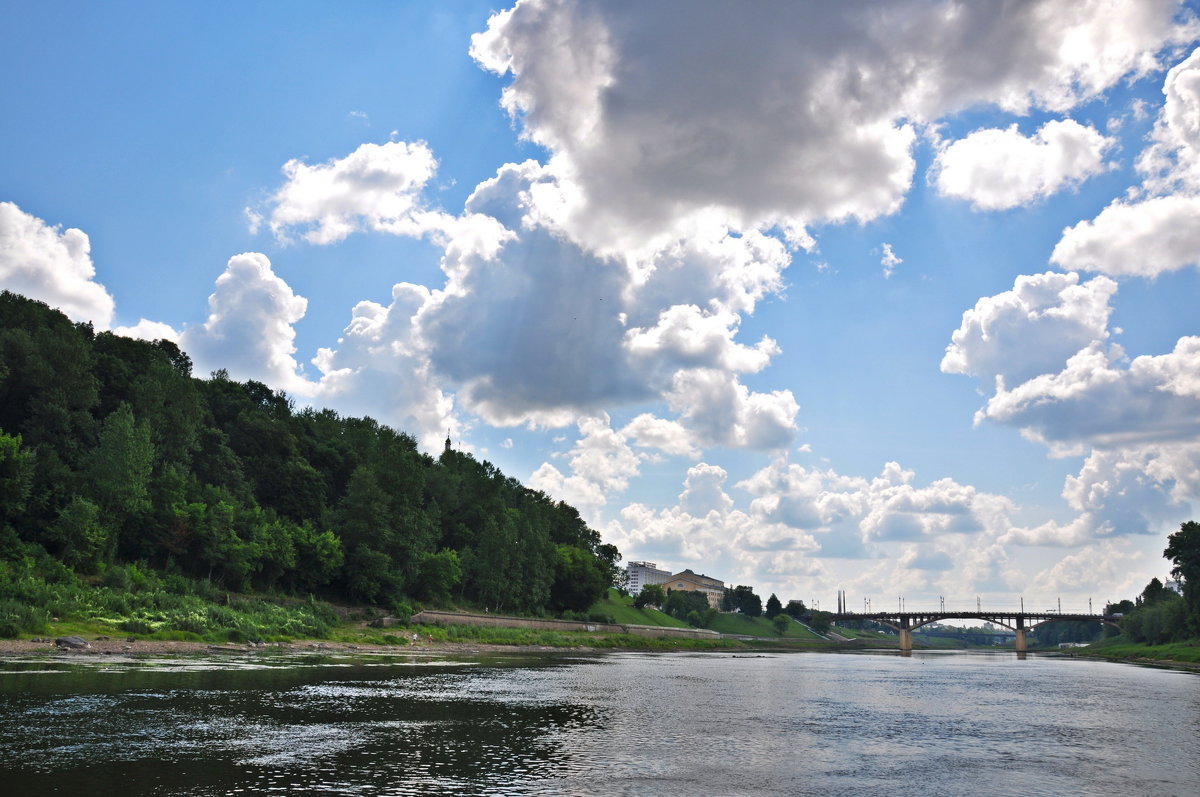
point(123, 647)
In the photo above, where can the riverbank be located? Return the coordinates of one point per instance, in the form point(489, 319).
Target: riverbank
point(417, 640)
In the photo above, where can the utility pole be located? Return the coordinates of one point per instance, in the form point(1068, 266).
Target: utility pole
point(1089, 605)
point(1060, 605)
point(1022, 604)
point(978, 605)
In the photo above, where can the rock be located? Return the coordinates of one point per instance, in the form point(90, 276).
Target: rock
point(72, 643)
point(101, 639)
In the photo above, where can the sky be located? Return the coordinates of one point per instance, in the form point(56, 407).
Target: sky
point(893, 298)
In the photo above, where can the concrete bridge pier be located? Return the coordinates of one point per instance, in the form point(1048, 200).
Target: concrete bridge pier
point(905, 637)
point(1020, 631)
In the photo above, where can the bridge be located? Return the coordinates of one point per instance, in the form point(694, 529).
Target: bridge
point(1017, 621)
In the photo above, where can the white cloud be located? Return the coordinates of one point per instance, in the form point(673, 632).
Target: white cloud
point(798, 113)
point(376, 187)
point(52, 265)
point(998, 169)
point(670, 437)
point(703, 493)
point(601, 466)
point(380, 367)
point(145, 329)
point(941, 534)
point(1143, 238)
point(1137, 421)
point(249, 331)
point(1158, 228)
point(1030, 330)
point(1172, 161)
point(889, 261)
point(1095, 402)
point(722, 411)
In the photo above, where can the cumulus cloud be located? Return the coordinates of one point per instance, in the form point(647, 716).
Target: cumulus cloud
point(1136, 420)
point(941, 533)
point(1030, 330)
point(722, 411)
point(145, 329)
point(1141, 239)
point(52, 265)
point(380, 367)
point(1155, 230)
point(376, 187)
point(534, 328)
point(601, 466)
point(1172, 161)
point(850, 515)
point(997, 169)
point(670, 437)
point(249, 330)
point(1098, 402)
point(799, 113)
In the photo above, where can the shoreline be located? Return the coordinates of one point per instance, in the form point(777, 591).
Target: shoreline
point(101, 649)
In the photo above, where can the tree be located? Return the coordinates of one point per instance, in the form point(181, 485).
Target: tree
point(651, 595)
point(580, 580)
point(781, 622)
point(796, 609)
point(439, 575)
point(1183, 549)
point(16, 477)
point(774, 607)
point(820, 622)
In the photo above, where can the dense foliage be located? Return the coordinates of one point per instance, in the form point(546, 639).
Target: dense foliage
point(111, 452)
point(1161, 615)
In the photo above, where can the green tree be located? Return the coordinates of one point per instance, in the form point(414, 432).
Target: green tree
point(439, 575)
point(820, 622)
point(774, 607)
point(651, 595)
point(1183, 549)
point(796, 609)
point(16, 477)
point(781, 622)
point(81, 534)
point(580, 579)
point(687, 605)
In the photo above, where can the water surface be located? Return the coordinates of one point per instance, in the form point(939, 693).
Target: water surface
point(624, 723)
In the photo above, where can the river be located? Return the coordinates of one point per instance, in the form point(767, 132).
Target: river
point(620, 723)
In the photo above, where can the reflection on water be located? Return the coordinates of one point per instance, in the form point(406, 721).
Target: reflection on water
point(931, 724)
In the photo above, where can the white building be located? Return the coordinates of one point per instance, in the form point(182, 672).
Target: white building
point(642, 574)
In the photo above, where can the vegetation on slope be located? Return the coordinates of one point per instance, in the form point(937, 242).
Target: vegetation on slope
point(112, 454)
point(619, 608)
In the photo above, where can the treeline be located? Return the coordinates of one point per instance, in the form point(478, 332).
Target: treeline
point(112, 452)
point(1161, 615)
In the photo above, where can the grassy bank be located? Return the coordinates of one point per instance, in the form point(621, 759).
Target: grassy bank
point(621, 610)
point(141, 604)
point(732, 623)
point(1119, 649)
point(144, 604)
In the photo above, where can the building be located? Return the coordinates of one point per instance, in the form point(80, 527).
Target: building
point(642, 574)
point(688, 581)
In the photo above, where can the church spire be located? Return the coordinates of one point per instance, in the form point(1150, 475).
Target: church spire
point(447, 441)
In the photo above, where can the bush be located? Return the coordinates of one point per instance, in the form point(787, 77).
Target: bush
point(136, 625)
point(17, 618)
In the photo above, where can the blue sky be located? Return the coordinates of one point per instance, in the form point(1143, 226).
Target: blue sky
point(896, 299)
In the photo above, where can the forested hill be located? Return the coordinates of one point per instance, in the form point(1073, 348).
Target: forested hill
point(111, 451)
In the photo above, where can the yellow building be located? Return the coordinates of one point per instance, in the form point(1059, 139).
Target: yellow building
point(688, 581)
